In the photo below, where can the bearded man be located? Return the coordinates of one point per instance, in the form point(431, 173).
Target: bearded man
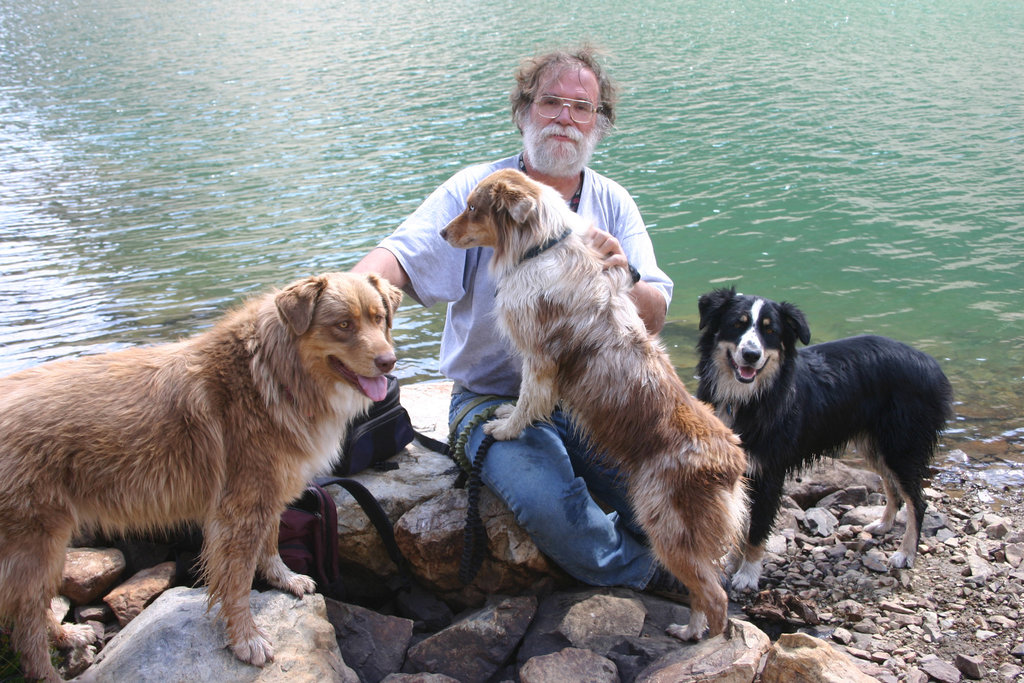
point(563, 103)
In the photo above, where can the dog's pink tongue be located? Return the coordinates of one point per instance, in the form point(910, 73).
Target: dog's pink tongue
point(376, 388)
point(747, 372)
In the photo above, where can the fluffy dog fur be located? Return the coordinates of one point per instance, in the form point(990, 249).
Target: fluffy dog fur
point(793, 408)
point(224, 428)
point(583, 342)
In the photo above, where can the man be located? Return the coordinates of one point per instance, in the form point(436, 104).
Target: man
point(563, 104)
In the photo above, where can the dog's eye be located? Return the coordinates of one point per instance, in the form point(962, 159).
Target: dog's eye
point(379, 319)
point(471, 208)
point(344, 324)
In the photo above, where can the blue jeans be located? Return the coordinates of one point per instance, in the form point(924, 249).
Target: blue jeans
point(544, 477)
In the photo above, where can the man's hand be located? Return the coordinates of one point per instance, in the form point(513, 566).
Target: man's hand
point(607, 246)
point(649, 302)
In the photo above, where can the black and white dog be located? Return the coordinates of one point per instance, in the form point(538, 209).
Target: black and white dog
point(793, 408)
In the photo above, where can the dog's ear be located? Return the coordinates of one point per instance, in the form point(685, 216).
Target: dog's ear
point(295, 303)
point(794, 320)
point(517, 202)
point(390, 295)
point(711, 304)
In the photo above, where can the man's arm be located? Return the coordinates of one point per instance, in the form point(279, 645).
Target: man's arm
point(650, 303)
point(385, 264)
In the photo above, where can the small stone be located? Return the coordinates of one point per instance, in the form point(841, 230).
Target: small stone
point(894, 607)
point(940, 670)
point(1014, 553)
point(866, 626)
point(841, 635)
point(996, 530)
point(969, 665)
point(1009, 671)
point(915, 675)
point(820, 521)
point(875, 562)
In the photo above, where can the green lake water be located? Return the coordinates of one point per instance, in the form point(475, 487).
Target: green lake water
point(158, 161)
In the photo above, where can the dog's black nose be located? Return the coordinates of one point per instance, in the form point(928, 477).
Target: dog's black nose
point(751, 356)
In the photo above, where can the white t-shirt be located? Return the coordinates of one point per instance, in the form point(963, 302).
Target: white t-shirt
point(473, 351)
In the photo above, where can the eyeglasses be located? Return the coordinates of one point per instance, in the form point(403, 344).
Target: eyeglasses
point(550, 107)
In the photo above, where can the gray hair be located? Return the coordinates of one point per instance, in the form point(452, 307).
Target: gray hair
point(532, 70)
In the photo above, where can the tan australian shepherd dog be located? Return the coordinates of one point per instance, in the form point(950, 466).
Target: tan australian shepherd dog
point(224, 428)
point(583, 342)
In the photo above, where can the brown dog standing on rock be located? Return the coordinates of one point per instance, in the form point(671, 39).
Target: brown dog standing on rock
point(224, 428)
point(582, 342)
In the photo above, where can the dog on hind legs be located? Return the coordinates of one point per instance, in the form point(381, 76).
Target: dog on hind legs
point(792, 408)
point(224, 428)
point(582, 342)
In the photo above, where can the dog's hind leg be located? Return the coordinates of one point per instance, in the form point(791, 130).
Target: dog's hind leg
point(31, 564)
point(906, 554)
point(900, 488)
point(893, 500)
point(709, 603)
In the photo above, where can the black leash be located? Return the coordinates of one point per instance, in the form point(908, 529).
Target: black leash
point(474, 537)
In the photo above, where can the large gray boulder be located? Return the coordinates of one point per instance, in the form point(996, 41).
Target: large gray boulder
point(177, 639)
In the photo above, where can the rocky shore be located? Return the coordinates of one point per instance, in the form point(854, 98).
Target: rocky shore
point(827, 609)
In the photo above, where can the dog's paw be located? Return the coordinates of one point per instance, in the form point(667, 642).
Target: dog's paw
point(900, 560)
point(747, 576)
point(299, 585)
point(502, 429)
point(504, 410)
point(878, 528)
point(692, 631)
point(74, 635)
point(255, 650)
point(280, 576)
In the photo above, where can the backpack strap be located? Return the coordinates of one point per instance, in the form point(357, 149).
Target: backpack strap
point(378, 517)
point(430, 442)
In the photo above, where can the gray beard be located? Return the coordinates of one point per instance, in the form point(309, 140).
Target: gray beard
point(558, 159)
